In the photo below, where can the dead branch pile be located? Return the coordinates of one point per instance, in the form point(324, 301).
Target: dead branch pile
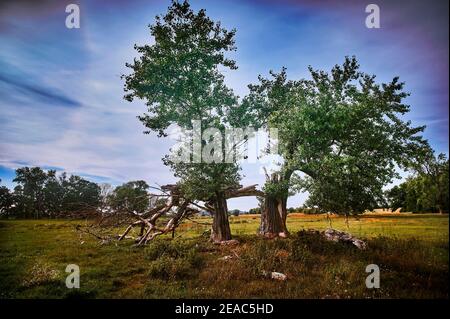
point(166, 212)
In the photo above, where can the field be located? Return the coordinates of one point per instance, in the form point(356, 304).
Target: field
point(411, 251)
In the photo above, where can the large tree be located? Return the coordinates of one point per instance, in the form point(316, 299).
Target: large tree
point(131, 196)
point(340, 134)
point(80, 195)
point(30, 190)
point(54, 193)
point(178, 76)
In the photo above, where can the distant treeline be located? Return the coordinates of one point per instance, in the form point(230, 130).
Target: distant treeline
point(426, 191)
point(46, 194)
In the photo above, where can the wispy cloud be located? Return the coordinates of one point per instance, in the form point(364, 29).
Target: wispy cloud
point(36, 93)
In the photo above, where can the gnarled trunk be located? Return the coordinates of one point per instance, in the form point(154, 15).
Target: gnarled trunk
point(274, 210)
point(273, 217)
point(220, 226)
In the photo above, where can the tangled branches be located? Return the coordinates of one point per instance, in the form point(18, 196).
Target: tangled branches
point(163, 215)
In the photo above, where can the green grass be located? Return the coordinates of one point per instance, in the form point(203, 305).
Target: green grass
point(411, 250)
point(428, 227)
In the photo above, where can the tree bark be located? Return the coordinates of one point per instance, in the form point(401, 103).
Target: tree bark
point(273, 217)
point(274, 211)
point(220, 226)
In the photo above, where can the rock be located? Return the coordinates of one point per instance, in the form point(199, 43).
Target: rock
point(339, 236)
point(282, 235)
point(360, 244)
point(278, 276)
point(275, 275)
point(225, 257)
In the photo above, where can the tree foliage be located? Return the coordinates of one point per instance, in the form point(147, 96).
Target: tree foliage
point(6, 200)
point(341, 130)
point(42, 193)
point(426, 191)
point(179, 78)
point(79, 194)
point(131, 197)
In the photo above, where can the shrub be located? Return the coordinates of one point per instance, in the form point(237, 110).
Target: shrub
point(173, 259)
point(266, 255)
point(174, 249)
point(170, 268)
point(301, 254)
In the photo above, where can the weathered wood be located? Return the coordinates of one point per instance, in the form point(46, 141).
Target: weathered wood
point(220, 227)
point(244, 191)
point(274, 213)
point(178, 208)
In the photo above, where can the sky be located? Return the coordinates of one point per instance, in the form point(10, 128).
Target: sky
point(61, 95)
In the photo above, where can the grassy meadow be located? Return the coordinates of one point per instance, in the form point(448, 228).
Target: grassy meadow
point(410, 249)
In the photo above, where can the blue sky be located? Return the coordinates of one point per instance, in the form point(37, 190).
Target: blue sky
point(61, 102)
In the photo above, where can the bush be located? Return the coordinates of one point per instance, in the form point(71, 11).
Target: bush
point(174, 249)
point(266, 255)
point(173, 259)
point(302, 254)
point(170, 268)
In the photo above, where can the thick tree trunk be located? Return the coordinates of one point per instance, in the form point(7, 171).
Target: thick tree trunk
point(273, 217)
point(220, 227)
point(284, 213)
point(274, 210)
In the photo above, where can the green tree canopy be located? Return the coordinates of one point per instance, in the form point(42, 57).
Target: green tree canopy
point(425, 191)
point(131, 197)
point(79, 194)
point(42, 193)
point(30, 189)
point(178, 76)
point(6, 200)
